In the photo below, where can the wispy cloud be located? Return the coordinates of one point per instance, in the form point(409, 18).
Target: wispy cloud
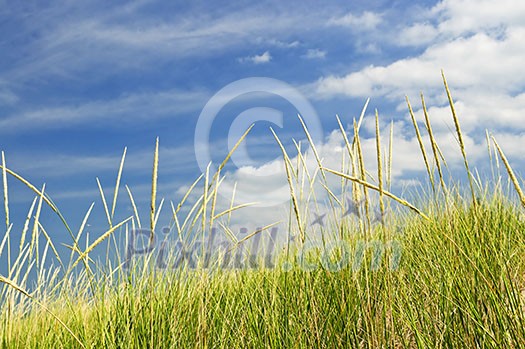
point(365, 21)
point(314, 54)
point(114, 41)
point(7, 97)
point(264, 57)
point(127, 109)
point(52, 165)
point(278, 43)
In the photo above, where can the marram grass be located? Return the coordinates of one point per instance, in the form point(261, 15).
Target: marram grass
point(459, 282)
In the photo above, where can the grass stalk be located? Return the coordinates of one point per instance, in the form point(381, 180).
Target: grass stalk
point(104, 203)
point(421, 145)
point(379, 170)
point(460, 138)
point(6, 210)
point(390, 153)
point(117, 184)
point(154, 179)
point(6, 193)
point(433, 143)
point(295, 204)
point(135, 211)
point(362, 174)
point(386, 193)
point(512, 176)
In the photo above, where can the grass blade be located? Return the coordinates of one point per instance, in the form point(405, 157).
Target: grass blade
point(390, 153)
point(6, 209)
point(227, 158)
point(154, 178)
point(287, 166)
point(362, 171)
point(433, 143)
point(135, 211)
point(511, 173)
point(6, 195)
point(34, 236)
point(99, 240)
point(104, 202)
point(421, 145)
point(80, 231)
point(249, 236)
point(50, 242)
point(117, 185)
point(46, 199)
point(188, 192)
point(362, 116)
point(386, 193)
point(159, 210)
point(379, 169)
point(26, 225)
point(232, 209)
point(207, 186)
point(460, 138)
point(5, 239)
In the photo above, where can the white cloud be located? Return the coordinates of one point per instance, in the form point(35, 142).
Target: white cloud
point(314, 54)
point(450, 20)
point(467, 16)
point(265, 57)
point(481, 70)
point(511, 144)
point(478, 43)
point(417, 34)
point(366, 21)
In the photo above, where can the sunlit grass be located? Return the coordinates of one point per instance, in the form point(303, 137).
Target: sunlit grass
point(456, 281)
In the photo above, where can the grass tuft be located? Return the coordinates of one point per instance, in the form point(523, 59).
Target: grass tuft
point(431, 275)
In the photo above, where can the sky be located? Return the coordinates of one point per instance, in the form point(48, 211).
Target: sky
point(79, 82)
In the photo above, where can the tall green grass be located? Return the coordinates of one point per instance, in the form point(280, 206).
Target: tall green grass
point(459, 282)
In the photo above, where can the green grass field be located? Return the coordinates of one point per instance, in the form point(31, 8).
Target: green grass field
point(459, 281)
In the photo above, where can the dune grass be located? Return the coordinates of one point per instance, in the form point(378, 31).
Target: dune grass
point(456, 278)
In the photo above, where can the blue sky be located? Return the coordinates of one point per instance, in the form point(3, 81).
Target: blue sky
point(79, 82)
